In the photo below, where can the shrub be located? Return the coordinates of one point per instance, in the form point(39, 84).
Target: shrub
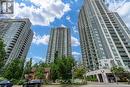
point(21, 82)
point(91, 78)
point(14, 81)
point(2, 78)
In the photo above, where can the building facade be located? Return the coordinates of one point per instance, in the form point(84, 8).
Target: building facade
point(17, 37)
point(59, 44)
point(104, 38)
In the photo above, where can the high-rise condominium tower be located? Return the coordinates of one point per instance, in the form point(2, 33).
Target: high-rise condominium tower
point(17, 36)
point(59, 44)
point(104, 37)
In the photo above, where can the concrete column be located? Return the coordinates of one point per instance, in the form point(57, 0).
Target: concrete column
point(98, 78)
point(105, 79)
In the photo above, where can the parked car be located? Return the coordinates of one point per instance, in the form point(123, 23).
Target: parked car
point(6, 83)
point(33, 83)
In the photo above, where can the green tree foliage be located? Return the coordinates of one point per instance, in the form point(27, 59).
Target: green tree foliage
point(55, 72)
point(35, 65)
point(14, 70)
point(28, 67)
point(79, 72)
point(117, 70)
point(62, 68)
point(42, 64)
point(92, 78)
point(39, 72)
point(2, 53)
point(40, 69)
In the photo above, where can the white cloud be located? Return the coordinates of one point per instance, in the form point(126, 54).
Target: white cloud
point(75, 29)
point(62, 25)
point(124, 12)
point(123, 8)
point(27, 59)
point(37, 59)
point(41, 12)
point(77, 56)
point(37, 39)
point(69, 19)
point(74, 41)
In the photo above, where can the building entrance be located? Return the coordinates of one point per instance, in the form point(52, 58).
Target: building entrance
point(100, 77)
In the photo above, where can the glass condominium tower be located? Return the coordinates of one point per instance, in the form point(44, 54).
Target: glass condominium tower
point(59, 44)
point(104, 37)
point(17, 37)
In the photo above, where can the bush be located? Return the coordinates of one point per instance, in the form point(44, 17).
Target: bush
point(91, 78)
point(2, 78)
point(21, 82)
point(14, 81)
point(17, 82)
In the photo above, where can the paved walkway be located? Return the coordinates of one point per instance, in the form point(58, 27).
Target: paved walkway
point(105, 85)
point(90, 84)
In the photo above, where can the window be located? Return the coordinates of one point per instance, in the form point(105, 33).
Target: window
point(101, 48)
point(100, 45)
point(97, 35)
point(106, 64)
point(119, 62)
point(105, 30)
point(113, 63)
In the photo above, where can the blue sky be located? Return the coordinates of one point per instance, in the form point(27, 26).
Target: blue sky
point(46, 14)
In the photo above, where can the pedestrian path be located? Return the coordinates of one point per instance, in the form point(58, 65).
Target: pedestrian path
point(90, 84)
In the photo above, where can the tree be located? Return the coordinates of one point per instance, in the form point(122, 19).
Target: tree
point(14, 70)
point(39, 73)
point(40, 67)
point(62, 68)
point(117, 70)
point(2, 53)
point(55, 72)
point(28, 66)
point(40, 70)
point(79, 72)
point(35, 65)
point(65, 68)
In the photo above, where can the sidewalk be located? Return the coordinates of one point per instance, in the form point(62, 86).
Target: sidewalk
point(100, 83)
